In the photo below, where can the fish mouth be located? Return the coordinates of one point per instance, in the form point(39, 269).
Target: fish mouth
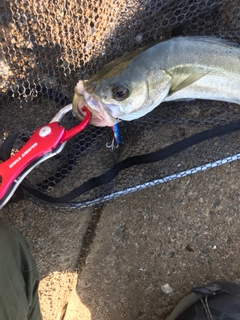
point(100, 116)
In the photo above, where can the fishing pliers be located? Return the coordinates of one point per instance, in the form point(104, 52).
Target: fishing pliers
point(45, 142)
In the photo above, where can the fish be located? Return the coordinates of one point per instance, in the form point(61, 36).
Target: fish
point(182, 68)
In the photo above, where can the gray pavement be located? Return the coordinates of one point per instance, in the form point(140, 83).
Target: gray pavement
point(184, 233)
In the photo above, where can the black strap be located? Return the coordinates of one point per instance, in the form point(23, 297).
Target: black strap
point(109, 175)
point(6, 147)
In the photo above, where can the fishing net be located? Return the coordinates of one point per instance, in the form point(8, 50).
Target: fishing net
point(47, 46)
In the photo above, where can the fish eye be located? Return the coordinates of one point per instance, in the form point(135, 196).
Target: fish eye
point(120, 92)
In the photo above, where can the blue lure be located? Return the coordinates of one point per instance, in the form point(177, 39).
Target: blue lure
point(117, 134)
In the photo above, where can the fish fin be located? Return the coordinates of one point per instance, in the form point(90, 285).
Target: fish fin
point(186, 82)
point(183, 77)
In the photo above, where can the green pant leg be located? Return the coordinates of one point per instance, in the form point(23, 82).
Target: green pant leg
point(19, 277)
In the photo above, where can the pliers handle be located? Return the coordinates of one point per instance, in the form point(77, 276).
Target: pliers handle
point(46, 141)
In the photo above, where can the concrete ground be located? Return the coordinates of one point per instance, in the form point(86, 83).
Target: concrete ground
point(113, 261)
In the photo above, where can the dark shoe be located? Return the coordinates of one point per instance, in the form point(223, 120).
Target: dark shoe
point(216, 301)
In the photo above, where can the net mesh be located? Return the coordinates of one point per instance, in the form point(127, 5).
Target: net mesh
point(47, 46)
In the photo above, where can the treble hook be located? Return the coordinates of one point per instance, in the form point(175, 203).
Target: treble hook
point(117, 139)
point(113, 145)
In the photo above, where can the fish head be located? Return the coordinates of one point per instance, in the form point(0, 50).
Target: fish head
point(119, 90)
point(82, 97)
point(110, 100)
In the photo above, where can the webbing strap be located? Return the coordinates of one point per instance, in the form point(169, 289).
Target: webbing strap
point(6, 147)
point(109, 175)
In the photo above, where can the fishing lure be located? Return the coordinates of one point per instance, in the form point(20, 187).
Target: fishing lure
point(117, 138)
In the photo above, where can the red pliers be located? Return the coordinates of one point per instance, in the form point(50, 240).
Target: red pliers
point(46, 142)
